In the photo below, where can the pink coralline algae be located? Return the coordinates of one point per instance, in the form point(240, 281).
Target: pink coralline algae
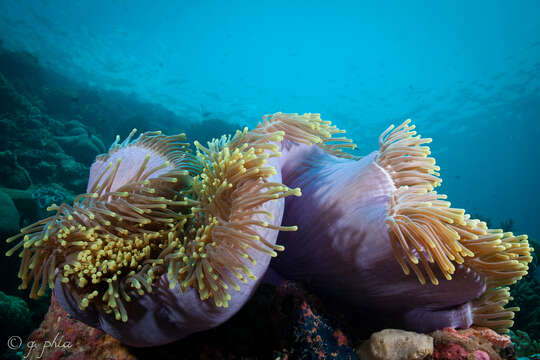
point(469, 344)
point(61, 337)
point(480, 355)
point(498, 341)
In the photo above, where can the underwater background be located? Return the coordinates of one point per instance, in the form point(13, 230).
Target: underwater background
point(74, 74)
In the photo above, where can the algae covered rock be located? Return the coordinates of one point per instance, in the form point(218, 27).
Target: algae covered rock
point(15, 316)
point(9, 216)
point(83, 147)
point(394, 344)
point(25, 204)
point(525, 346)
point(13, 174)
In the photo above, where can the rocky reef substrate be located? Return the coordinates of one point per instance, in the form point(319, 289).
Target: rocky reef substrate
point(284, 322)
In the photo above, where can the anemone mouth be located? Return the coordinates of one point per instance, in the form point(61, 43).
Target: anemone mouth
point(104, 247)
point(424, 229)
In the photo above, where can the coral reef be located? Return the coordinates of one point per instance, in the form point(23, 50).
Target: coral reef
point(524, 345)
point(48, 195)
point(14, 175)
point(9, 216)
point(9, 225)
point(16, 320)
point(14, 311)
point(40, 97)
point(27, 206)
point(526, 295)
point(28, 137)
point(52, 127)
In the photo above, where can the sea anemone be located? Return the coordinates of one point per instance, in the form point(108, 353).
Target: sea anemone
point(149, 253)
point(166, 243)
point(102, 243)
point(369, 221)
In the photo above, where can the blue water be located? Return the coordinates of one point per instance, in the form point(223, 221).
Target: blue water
point(466, 72)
